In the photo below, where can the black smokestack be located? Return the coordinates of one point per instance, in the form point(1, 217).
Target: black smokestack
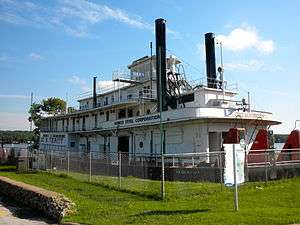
point(94, 92)
point(161, 77)
point(210, 60)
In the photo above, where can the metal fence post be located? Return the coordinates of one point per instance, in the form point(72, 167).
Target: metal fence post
point(220, 169)
point(27, 161)
point(45, 154)
point(68, 161)
point(266, 172)
point(37, 159)
point(246, 166)
point(90, 159)
point(120, 168)
point(236, 205)
point(51, 159)
point(163, 194)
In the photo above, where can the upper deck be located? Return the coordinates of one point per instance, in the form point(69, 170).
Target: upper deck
point(132, 97)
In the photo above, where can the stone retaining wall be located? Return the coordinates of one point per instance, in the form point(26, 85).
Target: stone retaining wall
point(52, 204)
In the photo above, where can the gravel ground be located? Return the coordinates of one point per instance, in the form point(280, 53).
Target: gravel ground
point(12, 214)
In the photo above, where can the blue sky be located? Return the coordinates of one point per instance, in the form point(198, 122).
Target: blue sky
point(55, 47)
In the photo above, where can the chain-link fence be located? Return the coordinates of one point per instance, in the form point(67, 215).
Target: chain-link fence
point(133, 173)
point(142, 173)
point(271, 164)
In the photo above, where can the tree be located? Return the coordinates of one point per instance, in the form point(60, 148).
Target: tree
point(9, 137)
point(49, 106)
point(54, 106)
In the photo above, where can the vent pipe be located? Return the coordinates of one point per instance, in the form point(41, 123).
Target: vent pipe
point(94, 92)
point(210, 60)
point(161, 77)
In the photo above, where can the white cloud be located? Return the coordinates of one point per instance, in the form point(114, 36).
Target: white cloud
point(35, 56)
point(75, 17)
point(252, 65)
point(81, 83)
point(14, 121)
point(2, 96)
point(246, 37)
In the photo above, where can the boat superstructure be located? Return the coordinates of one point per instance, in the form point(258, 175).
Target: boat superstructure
point(127, 115)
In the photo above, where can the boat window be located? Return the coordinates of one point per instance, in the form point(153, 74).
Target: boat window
point(107, 115)
point(96, 120)
point(73, 124)
point(130, 112)
point(83, 123)
point(106, 101)
point(122, 113)
point(67, 128)
point(138, 113)
point(141, 144)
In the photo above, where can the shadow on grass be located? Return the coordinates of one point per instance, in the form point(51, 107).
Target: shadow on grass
point(149, 196)
point(171, 212)
point(133, 192)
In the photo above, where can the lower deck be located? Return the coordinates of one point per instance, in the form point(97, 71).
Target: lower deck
point(192, 136)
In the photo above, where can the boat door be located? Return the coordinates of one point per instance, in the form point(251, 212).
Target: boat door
point(123, 144)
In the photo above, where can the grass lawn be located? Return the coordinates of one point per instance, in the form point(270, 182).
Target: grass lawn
point(187, 203)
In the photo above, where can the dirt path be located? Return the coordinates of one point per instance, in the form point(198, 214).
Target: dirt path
point(12, 214)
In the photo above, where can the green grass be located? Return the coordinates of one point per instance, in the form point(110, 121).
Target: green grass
point(101, 202)
point(7, 168)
